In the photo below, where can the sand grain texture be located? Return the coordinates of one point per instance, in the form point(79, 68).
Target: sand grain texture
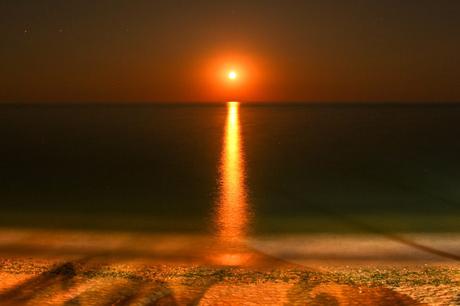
point(97, 268)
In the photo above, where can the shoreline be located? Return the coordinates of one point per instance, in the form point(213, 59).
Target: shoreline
point(90, 268)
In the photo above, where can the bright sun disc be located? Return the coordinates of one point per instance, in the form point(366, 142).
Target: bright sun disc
point(232, 75)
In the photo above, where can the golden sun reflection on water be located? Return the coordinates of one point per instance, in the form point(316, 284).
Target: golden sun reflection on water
point(232, 215)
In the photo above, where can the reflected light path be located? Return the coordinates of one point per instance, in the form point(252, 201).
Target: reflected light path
point(232, 215)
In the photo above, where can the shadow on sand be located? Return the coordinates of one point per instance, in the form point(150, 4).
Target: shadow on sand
point(95, 281)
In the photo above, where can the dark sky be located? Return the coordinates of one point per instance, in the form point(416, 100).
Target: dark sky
point(121, 51)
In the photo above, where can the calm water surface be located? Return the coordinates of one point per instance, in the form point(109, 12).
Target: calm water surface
point(232, 169)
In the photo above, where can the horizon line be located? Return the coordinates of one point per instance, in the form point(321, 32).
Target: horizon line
point(293, 102)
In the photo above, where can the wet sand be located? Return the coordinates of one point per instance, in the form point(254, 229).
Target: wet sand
point(41, 267)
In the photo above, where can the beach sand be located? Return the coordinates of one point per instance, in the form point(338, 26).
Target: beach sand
point(45, 267)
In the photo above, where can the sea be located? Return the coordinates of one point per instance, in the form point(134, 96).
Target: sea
point(235, 168)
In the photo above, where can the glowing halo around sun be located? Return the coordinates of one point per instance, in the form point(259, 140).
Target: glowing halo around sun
point(232, 75)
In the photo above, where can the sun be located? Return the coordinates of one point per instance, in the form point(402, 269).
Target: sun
point(232, 75)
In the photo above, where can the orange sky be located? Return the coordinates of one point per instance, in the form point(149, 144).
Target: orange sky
point(165, 51)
